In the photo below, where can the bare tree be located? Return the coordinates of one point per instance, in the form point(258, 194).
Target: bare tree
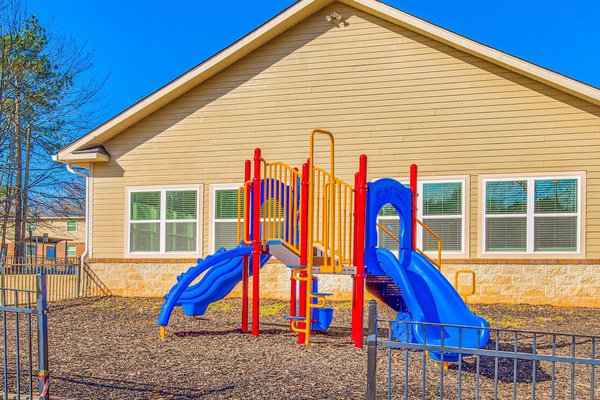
point(44, 103)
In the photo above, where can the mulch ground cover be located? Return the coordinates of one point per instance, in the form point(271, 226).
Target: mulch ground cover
point(110, 349)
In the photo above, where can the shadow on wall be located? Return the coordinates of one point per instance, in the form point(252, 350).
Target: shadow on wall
point(487, 66)
point(209, 91)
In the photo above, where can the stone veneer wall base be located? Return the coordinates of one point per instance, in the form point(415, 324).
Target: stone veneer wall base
point(559, 285)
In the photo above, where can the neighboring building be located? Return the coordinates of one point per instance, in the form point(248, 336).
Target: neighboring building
point(54, 237)
point(507, 151)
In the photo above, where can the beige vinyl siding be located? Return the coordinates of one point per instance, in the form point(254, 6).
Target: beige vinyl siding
point(56, 227)
point(383, 90)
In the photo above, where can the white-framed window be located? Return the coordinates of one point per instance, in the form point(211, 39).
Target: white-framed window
point(30, 250)
point(71, 225)
point(163, 220)
point(388, 218)
point(224, 214)
point(442, 207)
point(71, 250)
point(31, 225)
point(532, 214)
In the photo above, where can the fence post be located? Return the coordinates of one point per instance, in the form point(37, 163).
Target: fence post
point(42, 320)
point(372, 352)
point(78, 277)
point(2, 258)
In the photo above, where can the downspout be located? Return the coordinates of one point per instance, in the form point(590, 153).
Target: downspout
point(87, 221)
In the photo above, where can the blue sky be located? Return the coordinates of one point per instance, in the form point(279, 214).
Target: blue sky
point(141, 45)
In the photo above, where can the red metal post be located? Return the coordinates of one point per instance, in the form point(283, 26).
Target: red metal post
point(413, 217)
point(359, 262)
point(303, 245)
point(293, 285)
point(247, 170)
point(355, 212)
point(256, 245)
point(354, 243)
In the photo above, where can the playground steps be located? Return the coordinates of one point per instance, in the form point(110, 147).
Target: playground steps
point(383, 288)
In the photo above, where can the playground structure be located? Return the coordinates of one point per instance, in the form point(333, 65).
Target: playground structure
point(315, 223)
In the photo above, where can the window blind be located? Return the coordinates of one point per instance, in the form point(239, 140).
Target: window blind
point(145, 206)
point(225, 223)
point(532, 215)
point(163, 221)
point(145, 237)
point(506, 215)
point(555, 215)
point(226, 204)
point(71, 225)
point(506, 234)
point(389, 219)
point(442, 205)
point(182, 204)
point(448, 229)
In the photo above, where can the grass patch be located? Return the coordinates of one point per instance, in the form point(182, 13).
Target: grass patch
point(220, 306)
point(541, 320)
point(268, 310)
point(510, 321)
point(343, 305)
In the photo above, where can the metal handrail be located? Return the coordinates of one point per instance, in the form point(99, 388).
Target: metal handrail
point(387, 232)
point(473, 282)
point(437, 263)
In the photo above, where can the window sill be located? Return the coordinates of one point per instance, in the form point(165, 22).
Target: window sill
point(143, 260)
point(557, 260)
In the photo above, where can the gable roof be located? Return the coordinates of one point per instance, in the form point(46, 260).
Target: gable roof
point(74, 152)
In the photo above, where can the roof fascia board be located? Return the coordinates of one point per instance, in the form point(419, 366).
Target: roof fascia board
point(84, 157)
point(512, 63)
point(292, 16)
point(271, 29)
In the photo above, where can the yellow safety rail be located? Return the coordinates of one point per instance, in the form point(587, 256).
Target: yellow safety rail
point(464, 295)
point(437, 263)
point(243, 221)
point(280, 212)
point(333, 220)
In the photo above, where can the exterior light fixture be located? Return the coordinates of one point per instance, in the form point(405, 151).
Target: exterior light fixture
point(333, 17)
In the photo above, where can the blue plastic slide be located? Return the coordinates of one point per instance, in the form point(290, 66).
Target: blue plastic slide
point(430, 298)
point(223, 272)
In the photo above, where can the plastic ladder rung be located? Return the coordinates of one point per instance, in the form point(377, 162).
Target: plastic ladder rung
point(296, 266)
point(320, 294)
point(294, 318)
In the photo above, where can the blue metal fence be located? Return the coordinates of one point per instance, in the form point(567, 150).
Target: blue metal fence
point(25, 342)
point(515, 364)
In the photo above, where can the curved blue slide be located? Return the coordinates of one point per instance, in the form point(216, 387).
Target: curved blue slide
point(430, 298)
point(223, 272)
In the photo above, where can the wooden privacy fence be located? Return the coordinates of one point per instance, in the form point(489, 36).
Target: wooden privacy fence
point(66, 277)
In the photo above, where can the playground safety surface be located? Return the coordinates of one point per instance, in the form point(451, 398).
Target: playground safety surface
point(109, 349)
